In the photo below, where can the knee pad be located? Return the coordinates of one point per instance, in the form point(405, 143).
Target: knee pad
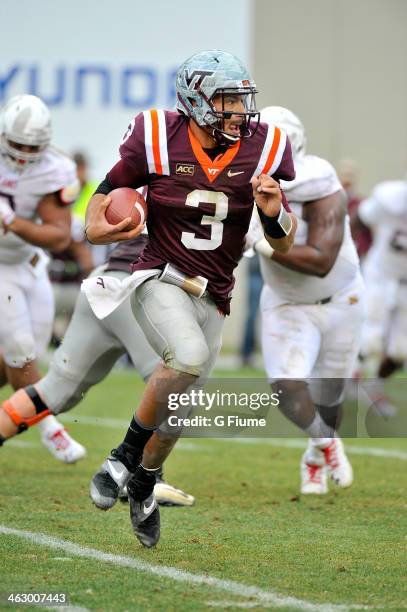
point(190, 358)
point(22, 423)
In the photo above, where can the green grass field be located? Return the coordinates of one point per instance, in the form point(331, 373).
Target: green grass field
point(249, 542)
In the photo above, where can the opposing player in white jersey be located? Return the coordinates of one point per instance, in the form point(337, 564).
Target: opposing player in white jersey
point(37, 182)
point(384, 337)
point(311, 308)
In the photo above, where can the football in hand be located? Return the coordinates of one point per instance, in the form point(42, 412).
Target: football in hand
point(125, 203)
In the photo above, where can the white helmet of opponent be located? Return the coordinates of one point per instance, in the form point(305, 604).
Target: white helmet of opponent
point(290, 123)
point(25, 121)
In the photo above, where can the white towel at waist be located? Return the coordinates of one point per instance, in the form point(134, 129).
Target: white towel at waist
point(106, 293)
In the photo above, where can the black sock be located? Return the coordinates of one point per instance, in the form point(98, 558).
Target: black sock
point(141, 484)
point(2, 440)
point(130, 451)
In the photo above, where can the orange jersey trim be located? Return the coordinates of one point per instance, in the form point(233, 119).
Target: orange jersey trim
point(212, 168)
point(155, 137)
point(273, 150)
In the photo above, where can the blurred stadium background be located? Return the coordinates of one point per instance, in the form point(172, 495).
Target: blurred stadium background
point(340, 65)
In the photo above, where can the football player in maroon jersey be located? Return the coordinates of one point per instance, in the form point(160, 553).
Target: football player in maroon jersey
point(204, 165)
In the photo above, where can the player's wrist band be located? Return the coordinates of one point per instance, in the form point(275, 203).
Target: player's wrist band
point(278, 226)
point(262, 247)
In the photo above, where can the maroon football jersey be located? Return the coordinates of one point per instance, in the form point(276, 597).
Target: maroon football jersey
point(199, 209)
point(126, 253)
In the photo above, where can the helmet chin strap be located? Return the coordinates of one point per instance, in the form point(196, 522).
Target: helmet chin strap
point(221, 138)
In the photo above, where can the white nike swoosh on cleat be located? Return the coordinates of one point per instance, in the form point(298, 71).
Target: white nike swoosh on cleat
point(230, 173)
point(146, 509)
point(117, 474)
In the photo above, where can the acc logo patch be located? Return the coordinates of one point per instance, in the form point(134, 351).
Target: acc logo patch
point(185, 169)
point(353, 299)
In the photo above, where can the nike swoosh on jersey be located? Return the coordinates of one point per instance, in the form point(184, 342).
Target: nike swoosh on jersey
point(230, 173)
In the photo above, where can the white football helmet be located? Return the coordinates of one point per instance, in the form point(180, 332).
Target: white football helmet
point(25, 121)
point(290, 123)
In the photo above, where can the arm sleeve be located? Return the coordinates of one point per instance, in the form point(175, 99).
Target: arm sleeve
point(105, 187)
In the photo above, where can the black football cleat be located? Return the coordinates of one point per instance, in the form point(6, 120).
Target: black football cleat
point(144, 517)
point(107, 483)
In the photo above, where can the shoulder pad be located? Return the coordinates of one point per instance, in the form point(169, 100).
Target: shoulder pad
point(155, 141)
point(315, 178)
point(144, 145)
point(53, 173)
point(273, 144)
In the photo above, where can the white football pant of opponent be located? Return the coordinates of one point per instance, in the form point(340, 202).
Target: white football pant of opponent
point(37, 183)
point(312, 309)
point(384, 337)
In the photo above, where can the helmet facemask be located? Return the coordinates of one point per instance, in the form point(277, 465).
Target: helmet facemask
point(15, 158)
point(215, 119)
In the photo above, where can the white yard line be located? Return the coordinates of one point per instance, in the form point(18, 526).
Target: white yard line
point(23, 444)
point(263, 597)
point(255, 604)
point(232, 604)
point(373, 451)
point(282, 443)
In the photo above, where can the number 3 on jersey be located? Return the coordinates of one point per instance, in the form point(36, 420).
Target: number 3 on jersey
point(220, 200)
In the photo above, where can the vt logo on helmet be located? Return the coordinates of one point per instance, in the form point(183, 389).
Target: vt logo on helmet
point(194, 80)
point(213, 87)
